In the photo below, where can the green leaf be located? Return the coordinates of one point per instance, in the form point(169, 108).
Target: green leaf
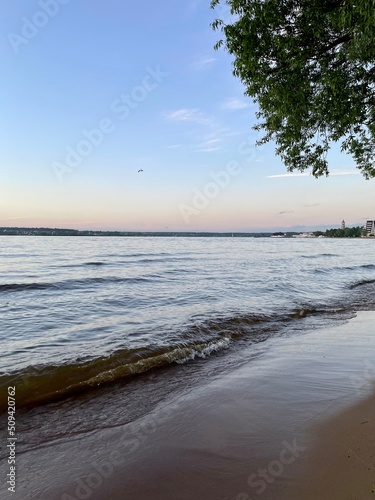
point(310, 66)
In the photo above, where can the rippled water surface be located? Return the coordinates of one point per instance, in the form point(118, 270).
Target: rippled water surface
point(76, 312)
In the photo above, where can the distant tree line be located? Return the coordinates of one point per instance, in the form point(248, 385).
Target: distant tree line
point(45, 231)
point(348, 232)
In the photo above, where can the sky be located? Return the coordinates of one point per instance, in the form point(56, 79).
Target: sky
point(121, 115)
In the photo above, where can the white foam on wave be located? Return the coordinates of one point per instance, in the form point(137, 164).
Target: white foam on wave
point(214, 346)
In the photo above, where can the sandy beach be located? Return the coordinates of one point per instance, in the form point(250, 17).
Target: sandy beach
point(293, 423)
point(341, 463)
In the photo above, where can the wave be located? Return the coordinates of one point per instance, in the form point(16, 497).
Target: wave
point(318, 255)
point(303, 312)
point(160, 259)
point(322, 271)
point(69, 284)
point(94, 263)
point(326, 270)
point(83, 264)
point(354, 268)
point(43, 384)
point(361, 283)
point(20, 287)
point(149, 260)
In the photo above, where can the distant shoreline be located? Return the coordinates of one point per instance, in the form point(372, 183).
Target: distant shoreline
point(42, 231)
point(45, 231)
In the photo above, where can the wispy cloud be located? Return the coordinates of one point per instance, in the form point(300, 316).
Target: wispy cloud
point(208, 146)
point(303, 174)
point(210, 136)
point(190, 115)
point(204, 62)
point(312, 205)
point(233, 104)
point(286, 212)
point(208, 149)
point(174, 146)
point(182, 114)
point(287, 175)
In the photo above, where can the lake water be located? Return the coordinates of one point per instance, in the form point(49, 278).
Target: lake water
point(79, 315)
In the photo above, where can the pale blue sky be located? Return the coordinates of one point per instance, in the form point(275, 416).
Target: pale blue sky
point(141, 81)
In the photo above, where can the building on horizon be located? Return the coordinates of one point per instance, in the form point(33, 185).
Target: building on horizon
point(343, 225)
point(370, 228)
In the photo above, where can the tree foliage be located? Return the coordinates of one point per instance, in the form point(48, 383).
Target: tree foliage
point(348, 232)
point(310, 66)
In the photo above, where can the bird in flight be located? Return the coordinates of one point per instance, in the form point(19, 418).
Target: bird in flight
point(140, 170)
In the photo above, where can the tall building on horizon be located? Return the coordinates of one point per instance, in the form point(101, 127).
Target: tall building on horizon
point(343, 226)
point(370, 228)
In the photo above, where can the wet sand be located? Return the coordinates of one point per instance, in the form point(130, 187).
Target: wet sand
point(263, 430)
